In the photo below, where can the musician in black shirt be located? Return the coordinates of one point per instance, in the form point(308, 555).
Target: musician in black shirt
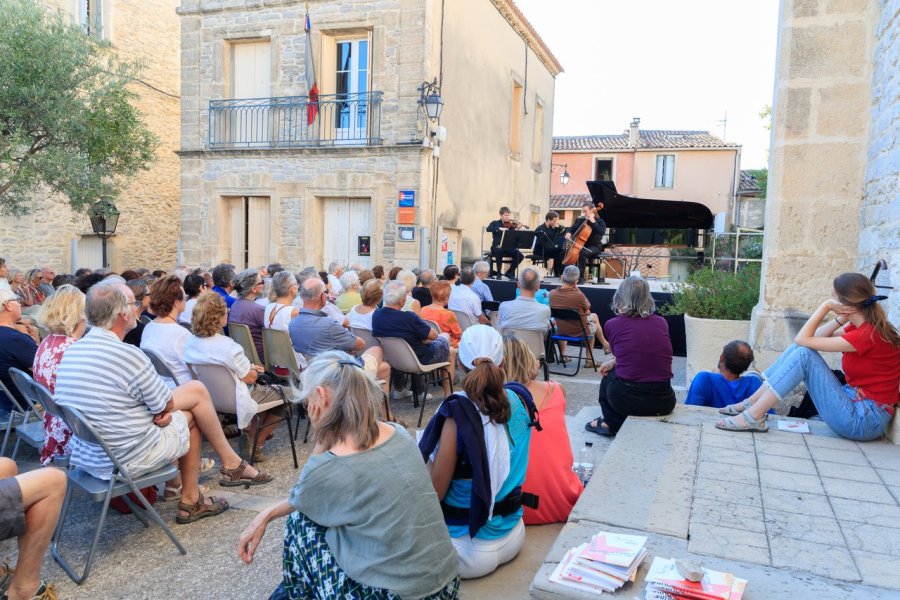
point(497, 228)
point(594, 244)
point(548, 241)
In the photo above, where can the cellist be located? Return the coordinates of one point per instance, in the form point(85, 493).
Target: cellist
point(594, 244)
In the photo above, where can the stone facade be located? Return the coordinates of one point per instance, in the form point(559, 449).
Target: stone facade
point(148, 226)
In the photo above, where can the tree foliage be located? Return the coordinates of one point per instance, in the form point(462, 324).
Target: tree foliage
point(67, 121)
point(762, 180)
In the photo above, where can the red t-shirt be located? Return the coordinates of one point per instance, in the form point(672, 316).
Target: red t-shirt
point(874, 369)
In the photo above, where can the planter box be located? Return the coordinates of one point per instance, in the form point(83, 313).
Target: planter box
point(705, 339)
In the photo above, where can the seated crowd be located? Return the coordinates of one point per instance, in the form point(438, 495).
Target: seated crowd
point(494, 457)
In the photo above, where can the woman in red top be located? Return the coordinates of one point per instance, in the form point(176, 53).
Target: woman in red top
point(860, 410)
point(438, 312)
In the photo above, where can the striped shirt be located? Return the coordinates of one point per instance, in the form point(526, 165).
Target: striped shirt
point(116, 388)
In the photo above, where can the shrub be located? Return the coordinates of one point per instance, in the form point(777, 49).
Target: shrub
point(712, 294)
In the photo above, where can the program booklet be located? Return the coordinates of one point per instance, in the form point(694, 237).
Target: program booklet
point(664, 581)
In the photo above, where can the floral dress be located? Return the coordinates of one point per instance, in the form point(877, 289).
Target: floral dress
point(46, 360)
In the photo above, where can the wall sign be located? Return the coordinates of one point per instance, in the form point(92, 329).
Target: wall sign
point(364, 245)
point(406, 215)
point(407, 233)
point(406, 198)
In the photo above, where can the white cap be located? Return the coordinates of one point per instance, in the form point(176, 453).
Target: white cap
point(480, 341)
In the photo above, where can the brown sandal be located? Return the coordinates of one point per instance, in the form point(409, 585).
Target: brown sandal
point(200, 510)
point(236, 476)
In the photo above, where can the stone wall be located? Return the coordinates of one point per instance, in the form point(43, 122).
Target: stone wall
point(880, 214)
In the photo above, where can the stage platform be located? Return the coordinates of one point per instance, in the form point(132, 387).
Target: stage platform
point(600, 296)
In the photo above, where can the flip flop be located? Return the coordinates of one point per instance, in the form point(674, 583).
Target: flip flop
point(751, 424)
point(598, 429)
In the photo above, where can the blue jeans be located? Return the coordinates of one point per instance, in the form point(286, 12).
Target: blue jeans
point(860, 420)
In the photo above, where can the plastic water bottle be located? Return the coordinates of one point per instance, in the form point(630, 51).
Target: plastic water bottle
point(584, 465)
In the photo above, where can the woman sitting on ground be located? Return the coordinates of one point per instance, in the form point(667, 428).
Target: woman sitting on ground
point(360, 316)
point(862, 409)
point(350, 296)
point(249, 285)
point(489, 419)
point(363, 520)
point(194, 285)
point(63, 316)
point(638, 380)
point(550, 459)
point(438, 312)
point(209, 347)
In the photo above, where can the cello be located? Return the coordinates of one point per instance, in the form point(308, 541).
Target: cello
point(576, 244)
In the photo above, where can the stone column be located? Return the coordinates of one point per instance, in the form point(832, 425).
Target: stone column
point(817, 163)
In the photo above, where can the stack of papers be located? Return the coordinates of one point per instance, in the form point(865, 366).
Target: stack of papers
point(605, 564)
point(665, 582)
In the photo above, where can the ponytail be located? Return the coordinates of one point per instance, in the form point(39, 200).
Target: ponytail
point(875, 315)
point(858, 291)
point(484, 387)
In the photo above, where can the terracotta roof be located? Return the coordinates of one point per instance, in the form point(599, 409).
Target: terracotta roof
point(748, 185)
point(649, 139)
point(568, 201)
point(520, 24)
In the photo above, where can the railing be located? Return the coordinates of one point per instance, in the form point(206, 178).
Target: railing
point(341, 119)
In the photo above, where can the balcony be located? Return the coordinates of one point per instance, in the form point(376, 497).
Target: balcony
point(257, 123)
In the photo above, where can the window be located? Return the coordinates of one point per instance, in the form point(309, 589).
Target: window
point(351, 86)
point(603, 169)
point(515, 120)
point(665, 171)
point(537, 150)
point(90, 16)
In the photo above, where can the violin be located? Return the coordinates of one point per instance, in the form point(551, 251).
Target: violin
point(513, 224)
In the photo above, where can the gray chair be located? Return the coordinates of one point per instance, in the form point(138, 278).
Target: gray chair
point(219, 380)
point(433, 325)
point(16, 416)
point(240, 333)
point(162, 369)
point(399, 354)
point(465, 319)
point(279, 352)
point(536, 342)
point(366, 335)
point(31, 430)
point(120, 485)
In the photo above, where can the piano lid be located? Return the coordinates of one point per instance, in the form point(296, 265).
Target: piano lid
point(627, 211)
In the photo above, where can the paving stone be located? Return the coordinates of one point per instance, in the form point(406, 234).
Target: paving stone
point(845, 457)
point(735, 514)
point(873, 538)
point(741, 458)
point(796, 502)
point(830, 561)
point(877, 569)
point(731, 473)
point(817, 441)
point(821, 530)
point(889, 477)
point(857, 490)
point(859, 511)
point(855, 473)
point(734, 441)
point(886, 461)
point(787, 464)
point(729, 542)
point(790, 481)
point(895, 490)
point(767, 448)
point(782, 437)
point(715, 489)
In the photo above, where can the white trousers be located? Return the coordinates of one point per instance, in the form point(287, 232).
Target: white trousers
point(478, 558)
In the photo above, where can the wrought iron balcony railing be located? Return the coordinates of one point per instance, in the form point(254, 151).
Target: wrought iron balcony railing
point(339, 120)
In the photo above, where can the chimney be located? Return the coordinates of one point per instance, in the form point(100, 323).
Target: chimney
point(634, 137)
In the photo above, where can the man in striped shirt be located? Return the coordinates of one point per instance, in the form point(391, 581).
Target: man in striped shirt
point(146, 425)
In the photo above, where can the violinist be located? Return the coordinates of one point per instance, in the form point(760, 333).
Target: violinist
point(497, 228)
point(594, 244)
point(548, 241)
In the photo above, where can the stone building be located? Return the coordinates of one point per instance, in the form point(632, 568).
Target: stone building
point(833, 203)
point(147, 235)
point(369, 178)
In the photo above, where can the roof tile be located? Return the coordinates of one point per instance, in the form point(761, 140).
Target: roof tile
point(649, 139)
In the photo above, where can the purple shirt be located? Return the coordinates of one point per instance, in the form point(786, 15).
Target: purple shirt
point(252, 315)
point(642, 347)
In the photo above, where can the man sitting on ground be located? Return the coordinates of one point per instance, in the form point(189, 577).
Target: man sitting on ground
point(223, 278)
point(733, 383)
point(422, 292)
point(525, 312)
point(29, 509)
point(146, 425)
point(567, 295)
point(466, 301)
point(482, 272)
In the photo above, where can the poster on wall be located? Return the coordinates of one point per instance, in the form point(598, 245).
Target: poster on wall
point(363, 245)
point(406, 198)
point(406, 216)
point(407, 233)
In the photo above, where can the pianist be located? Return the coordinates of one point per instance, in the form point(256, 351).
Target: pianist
point(594, 244)
point(548, 241)
point(496, 229)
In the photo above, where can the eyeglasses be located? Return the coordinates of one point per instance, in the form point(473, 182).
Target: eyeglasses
point(137, 303)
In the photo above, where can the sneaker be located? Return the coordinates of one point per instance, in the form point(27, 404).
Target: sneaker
point(395, 395)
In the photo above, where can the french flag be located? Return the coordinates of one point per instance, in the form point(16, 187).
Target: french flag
point(312, 108)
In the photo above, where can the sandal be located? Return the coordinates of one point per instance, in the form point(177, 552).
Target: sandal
point(236, 476)
point(6, 577)
point(732, 410)
point(598, 428)
point(170, 494)
point(200, 510)
point(206, 464)
point(751, 424)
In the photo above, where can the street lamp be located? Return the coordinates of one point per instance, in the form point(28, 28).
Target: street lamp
point(430, 99)
point(564, 178)
point(104, 218)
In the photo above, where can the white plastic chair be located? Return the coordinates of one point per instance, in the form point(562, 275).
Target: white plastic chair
point(465, 319)
point(402, 358)
point(536, 342)
point(366, 336)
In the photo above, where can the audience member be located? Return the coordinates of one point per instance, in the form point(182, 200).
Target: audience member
point(364, 276)
point(360, 316)
point(82, 272)
point(862, 409)
point(4, 274)
point(378, 272)
point(46, 283)
point(141, 304)
point(274, 269)
point(422, 291)
point(31, 288)
point(158, 274)
point(248, 284)
point(408, 279)
point(549, 475)
point(350, 295)
point(312, 331)
point(451, 274)
point(463, 299)
point(18, 345)
point(194, 285)
point(440, 314)
point(392, 274)
point(567, 295)
point(144, 424)
point(637, 381)
point(358, 267)
point(30, 504)
point(349, 533)
point(482, 272)
point(163, 335)
point(63, 316)
point(477, 445)
point(87, 280)
point(279, 312)
point(525, 312)
point(61, 280)
point(333, 278)
point(223, 282)
point(16, 280)
point(130, 275)
point(729, 384)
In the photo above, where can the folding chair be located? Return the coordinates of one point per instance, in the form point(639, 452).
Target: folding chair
point(17, 417)
point(433, 325)
point(119, 485)
point(571, 316)
point(220, 383)
point(279, 352)
point(240, 333)
point(162, 369)
point(366, 335)
point(399, 354)
point(465, 319)
point(30, 431)
point(537, 343)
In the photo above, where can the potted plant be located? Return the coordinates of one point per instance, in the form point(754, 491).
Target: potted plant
point(716, 306)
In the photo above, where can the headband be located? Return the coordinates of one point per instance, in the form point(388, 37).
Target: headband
point(872, 300)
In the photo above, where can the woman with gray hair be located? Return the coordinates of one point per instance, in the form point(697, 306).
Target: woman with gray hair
point(350, 296)
point(352, 531)
point(249, 285)
point(409, 280)
point(638, 379)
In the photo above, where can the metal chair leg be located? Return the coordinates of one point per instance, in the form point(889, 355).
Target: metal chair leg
point(151, 512)
point(255, 438)
point(12, 415)
point(287, 422)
